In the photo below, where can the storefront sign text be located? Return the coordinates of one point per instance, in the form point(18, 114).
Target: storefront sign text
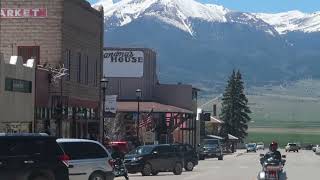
point(23, 12)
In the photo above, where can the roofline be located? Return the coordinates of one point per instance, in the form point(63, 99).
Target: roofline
point(131, 49)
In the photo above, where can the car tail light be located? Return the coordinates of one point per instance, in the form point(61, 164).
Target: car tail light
point(65, 159)
point(111, 163)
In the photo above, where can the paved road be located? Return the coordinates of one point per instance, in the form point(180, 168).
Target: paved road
point(303, 165)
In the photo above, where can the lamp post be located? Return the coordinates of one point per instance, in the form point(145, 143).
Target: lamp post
point(104, 84)
point(138, 95)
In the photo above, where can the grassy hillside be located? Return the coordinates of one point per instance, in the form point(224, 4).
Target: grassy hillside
point(290, 105)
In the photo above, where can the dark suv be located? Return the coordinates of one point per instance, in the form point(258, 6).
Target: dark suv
point(153, 159)
point(189, 154)
point(210, 148)
point(32, 157)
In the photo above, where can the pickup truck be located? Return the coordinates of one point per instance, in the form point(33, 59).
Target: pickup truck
point(292, 147)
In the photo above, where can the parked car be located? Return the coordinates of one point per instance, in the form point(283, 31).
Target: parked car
point(314, 148)
point(260, 146)
point(189, 154)
point(292, 147)
point(32, 157)
point(251, 147)
point(307, 146)
point(210, 148)
point(89, 160)
point(318, 150)
point(152, 159)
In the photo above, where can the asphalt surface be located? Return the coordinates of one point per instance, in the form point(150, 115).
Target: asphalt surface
point(245, 166)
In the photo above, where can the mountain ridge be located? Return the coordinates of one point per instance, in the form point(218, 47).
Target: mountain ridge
point(130, 10)
point(203, 49)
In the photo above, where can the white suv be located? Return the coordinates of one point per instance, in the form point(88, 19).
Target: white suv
point(89, 160)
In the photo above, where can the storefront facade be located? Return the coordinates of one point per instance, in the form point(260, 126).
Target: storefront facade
point(169, 110)
point(66, 39)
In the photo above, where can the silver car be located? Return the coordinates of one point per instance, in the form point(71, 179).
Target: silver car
point(89, 160)
point(260, 146)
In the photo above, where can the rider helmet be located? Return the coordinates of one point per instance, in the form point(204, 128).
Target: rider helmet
point(273, 146)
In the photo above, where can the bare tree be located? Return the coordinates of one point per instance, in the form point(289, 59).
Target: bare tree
point(114, 127)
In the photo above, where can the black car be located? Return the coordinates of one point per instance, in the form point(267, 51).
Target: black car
point(32, 157)
point(152, 159)
point(210, 148)
point(189, 154)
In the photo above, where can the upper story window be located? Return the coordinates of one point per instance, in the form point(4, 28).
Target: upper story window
point(67, 63)
point(95, 76)
point(28, 52)
point(79, 68)
point(86, 70)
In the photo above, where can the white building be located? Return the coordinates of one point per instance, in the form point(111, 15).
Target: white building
point(17, 94)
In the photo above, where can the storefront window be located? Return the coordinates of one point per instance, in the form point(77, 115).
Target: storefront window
point(17, 85)
point(69, 112)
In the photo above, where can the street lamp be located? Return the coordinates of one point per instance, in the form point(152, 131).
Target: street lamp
point(138, 95)
point(104, 84)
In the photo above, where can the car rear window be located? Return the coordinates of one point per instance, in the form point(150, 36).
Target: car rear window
point(21, 147)
point(292, 144)
point(210, 141)
point(83, 150)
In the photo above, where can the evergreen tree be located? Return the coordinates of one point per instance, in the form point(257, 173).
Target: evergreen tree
point(235, 111)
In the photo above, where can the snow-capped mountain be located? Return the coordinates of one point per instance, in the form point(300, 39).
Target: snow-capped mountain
point(211, 40)
point(293, 21)
point(174, 12)
point(179, 12)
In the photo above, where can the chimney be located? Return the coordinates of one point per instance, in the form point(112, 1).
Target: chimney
point(214, 112)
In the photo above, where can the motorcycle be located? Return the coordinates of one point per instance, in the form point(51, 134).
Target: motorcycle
point(272, 168)
point(120, 169)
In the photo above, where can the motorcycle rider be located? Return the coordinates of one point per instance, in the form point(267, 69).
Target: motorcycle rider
point(273, 152)
point(118, 155)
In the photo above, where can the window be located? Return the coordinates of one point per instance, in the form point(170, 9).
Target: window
point(67, 63)
point(88, 150)
point(95, 76)
point(17, 85)
point(86, 69)
point(164, 149)
point(27, 52)
point(79, 68)
point(21, 148)
point(189, 148)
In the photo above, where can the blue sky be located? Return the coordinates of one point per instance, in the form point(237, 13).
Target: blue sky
point(265, 5)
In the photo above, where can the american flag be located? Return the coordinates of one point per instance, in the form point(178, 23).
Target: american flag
point(146, 121)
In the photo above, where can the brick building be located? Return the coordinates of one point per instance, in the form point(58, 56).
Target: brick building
point(59, 34)
point(173, 106)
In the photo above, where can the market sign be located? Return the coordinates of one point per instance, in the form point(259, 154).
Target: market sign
point(23, 12)
point(121, 63)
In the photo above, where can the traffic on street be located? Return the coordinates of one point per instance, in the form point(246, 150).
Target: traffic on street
point(244, 166)
point(159, 90)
